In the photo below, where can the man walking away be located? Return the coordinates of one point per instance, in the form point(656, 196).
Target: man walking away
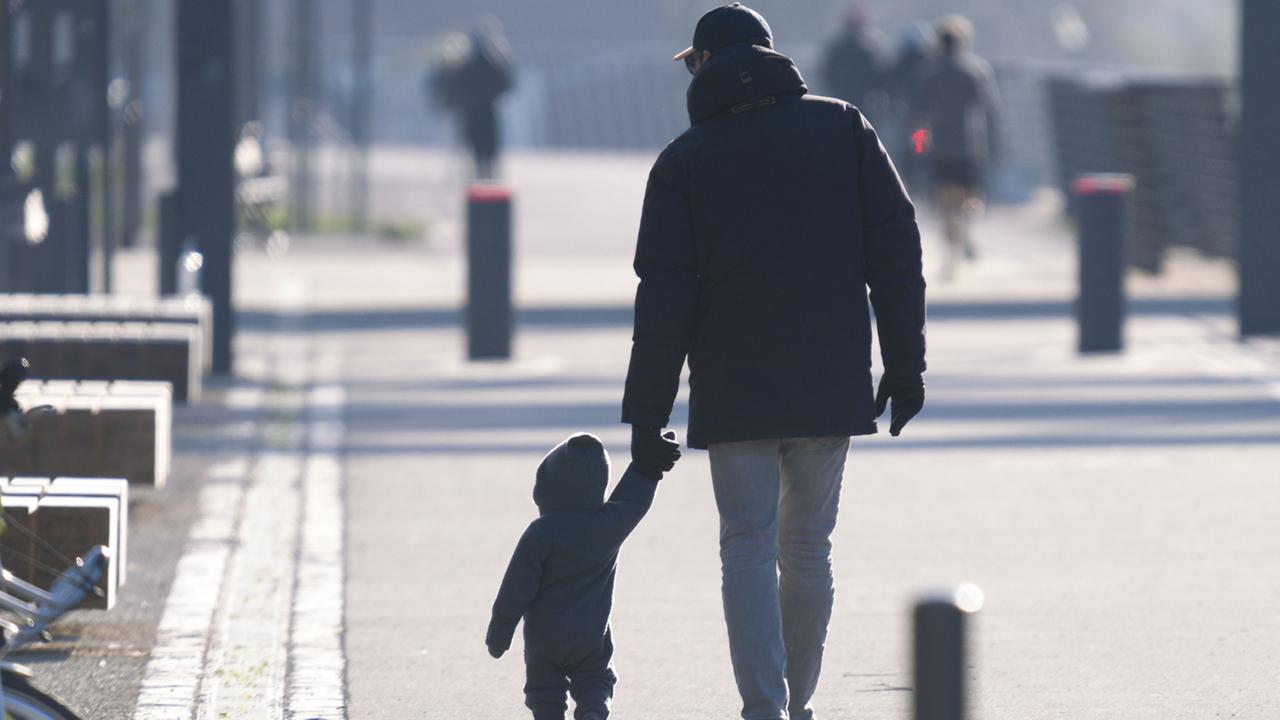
point(956, 102)
point(916, 46)
point(763, 226)
point(854, 64)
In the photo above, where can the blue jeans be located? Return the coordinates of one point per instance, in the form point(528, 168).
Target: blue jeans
point(778, 501)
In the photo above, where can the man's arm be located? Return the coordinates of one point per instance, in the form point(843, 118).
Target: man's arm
point(629, 503)
point(519, 588)
point(666, 299)
point(892, 258)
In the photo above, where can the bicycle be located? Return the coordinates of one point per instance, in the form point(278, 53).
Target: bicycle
point(36, 608)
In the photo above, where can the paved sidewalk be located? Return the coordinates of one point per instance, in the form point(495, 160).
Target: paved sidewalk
point(1118, 511)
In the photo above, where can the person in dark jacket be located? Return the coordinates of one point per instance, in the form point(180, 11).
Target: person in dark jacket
point(560, 579)
point(916, 47)
point(469, 82)
point(763, 227)
point(854, 64)
point(957, 103)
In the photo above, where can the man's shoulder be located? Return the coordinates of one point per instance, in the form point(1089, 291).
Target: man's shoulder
point(825, 103)
point(830, 106)
point(679, 147)
point(670, 164)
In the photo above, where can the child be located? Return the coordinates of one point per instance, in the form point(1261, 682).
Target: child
point(560, 579)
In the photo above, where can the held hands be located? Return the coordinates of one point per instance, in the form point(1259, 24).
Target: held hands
point(652, 451)
point(907, 395)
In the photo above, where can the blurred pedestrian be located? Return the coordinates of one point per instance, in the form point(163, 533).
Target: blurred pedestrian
point(469, 78)
point(916, 47)
point(854, 64)
point(763, 226)
point(956, 104)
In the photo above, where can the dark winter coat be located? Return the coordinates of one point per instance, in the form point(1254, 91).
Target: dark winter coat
point(763, 227)
point(471, 89)
point(560, 579)
point(854, 65)
point(956, 99)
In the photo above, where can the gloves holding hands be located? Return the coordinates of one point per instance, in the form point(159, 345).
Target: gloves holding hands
point(907, 394)
point(652, 451)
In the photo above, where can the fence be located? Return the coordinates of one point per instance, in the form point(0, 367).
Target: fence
point(1174, 136)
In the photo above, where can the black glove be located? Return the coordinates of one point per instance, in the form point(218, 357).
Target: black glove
point(908, 399)
point(652, 451)
point(498, 637)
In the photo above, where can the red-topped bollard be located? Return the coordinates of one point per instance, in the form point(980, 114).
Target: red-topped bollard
point(489, 315)
point(1103, 209)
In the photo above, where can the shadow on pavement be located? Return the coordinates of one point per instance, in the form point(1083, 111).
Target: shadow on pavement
point(902, 444)
point(594, 317)
point(466, 416)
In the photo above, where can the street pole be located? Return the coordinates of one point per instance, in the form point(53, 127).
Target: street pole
point(206, 141)
point(362, 97)
point(249, 36)
point(5, 150)
point(9, 222)
point(1258, 303)
point(131, 121)
point(301, 109)
point(98, 190)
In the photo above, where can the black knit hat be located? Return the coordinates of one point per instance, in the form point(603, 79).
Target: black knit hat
point(727, 25)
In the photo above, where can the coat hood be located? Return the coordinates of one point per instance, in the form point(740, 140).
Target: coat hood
point(573, 476)
point(738, 75)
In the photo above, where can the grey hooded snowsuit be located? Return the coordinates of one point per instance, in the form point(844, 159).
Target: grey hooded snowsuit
point(560, 579)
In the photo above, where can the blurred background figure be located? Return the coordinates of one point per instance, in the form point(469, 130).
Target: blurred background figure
point(956, 106)
point(854, 64)
point(916, 47)
point(469, 77)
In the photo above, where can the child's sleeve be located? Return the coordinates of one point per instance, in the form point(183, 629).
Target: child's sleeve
point(629, 502)
point(519, 587)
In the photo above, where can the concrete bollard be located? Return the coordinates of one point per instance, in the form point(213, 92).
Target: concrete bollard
point(1103, 203)
point(940, 652)
point(489, 315)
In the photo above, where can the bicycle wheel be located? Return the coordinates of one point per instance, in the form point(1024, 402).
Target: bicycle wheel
point(24, 702)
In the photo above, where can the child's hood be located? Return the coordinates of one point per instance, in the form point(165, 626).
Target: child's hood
point(573, 476)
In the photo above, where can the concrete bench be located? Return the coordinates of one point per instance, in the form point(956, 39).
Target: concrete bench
point(117, 429)
point(69, 516)
point(109, 351)
point(195, 310)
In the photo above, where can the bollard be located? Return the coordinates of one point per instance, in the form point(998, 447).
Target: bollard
point(940, 652)
point(488, 313)
point(1103, 204)
point(168, 242)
